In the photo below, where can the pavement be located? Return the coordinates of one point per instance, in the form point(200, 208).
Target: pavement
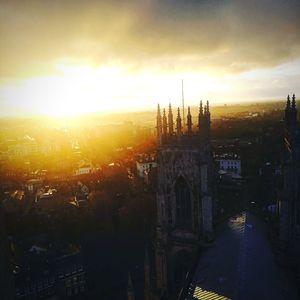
point(240, 264)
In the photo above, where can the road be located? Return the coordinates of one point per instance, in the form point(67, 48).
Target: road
point(240, 265)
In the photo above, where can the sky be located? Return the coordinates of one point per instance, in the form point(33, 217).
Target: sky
point(63, 57)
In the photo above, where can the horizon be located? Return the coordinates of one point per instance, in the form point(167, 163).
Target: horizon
point(152, 110)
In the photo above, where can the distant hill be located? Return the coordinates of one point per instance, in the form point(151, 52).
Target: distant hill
point(143, 118)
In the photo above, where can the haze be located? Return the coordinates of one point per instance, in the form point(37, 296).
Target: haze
point(71, 57)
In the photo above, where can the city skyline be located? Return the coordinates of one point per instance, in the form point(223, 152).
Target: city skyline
point(64, 60)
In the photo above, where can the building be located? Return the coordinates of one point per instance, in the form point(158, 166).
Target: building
point(229, 185)
point(14, 202)
point(84, 168)
point(289, 205)
point(33, 184)
point(53, 271)
point(184, 197)
point(46, 201)
point(7, 291)
point(144, 163)
point(22, 147)
point(146, 166)
point(71, 275)
point(230, 193)
point(269, 181)
point(229, 163)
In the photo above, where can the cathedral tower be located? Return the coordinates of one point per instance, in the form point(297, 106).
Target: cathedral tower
point(289, 229)
point(184, 198)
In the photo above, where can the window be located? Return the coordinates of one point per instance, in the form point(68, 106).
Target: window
point(183, 204)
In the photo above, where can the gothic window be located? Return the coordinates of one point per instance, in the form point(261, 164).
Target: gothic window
point(183, 204)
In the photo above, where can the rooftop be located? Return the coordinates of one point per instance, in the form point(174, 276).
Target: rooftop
point(234, 266)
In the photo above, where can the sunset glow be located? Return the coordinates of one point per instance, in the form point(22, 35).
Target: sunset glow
point(146, 147)
point(80, 89)
point(102, 56)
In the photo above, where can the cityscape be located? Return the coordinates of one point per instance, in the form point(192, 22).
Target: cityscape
point(149, 150)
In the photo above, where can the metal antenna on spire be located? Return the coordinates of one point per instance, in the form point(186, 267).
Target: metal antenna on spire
point(183, 114)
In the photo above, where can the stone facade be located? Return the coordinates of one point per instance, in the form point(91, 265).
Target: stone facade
point(289, 229)
point(184, 197)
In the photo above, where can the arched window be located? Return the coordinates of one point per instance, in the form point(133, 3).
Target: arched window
point(183, 204)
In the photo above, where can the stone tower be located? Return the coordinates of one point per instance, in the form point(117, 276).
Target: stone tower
point(289, 232)
point(184, 197)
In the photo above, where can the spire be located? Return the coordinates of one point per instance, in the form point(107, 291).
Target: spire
point(205, 123)
point(294, 102)
point(293, 115)
point(200, 115)
point(207, 107)
point(178, 123)
point(201, 108)
point(158, 122)
point(170, 120)
point(207, 120)
point(287, 112)
point(130, 290)
point(183, 115)
point(290, 117)
point(288, 103)
point(165, 124)
point(189, 121)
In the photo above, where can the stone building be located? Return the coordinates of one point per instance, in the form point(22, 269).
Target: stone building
point(7, 290)
point(289, 229)
point(184, 197)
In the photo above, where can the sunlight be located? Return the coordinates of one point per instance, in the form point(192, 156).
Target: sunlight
point(202, 294)
point(79, 89)
point(84, 89)
point(75, 90)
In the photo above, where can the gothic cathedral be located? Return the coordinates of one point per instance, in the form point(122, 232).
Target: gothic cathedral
point(184, 196)
point(289, 206)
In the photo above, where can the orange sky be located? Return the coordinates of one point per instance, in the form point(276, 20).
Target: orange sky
point(67, 57)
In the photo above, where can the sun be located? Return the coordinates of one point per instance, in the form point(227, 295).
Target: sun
point(73, 90)
point(81, 89)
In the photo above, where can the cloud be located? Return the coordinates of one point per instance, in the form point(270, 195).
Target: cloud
point(224, 36)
